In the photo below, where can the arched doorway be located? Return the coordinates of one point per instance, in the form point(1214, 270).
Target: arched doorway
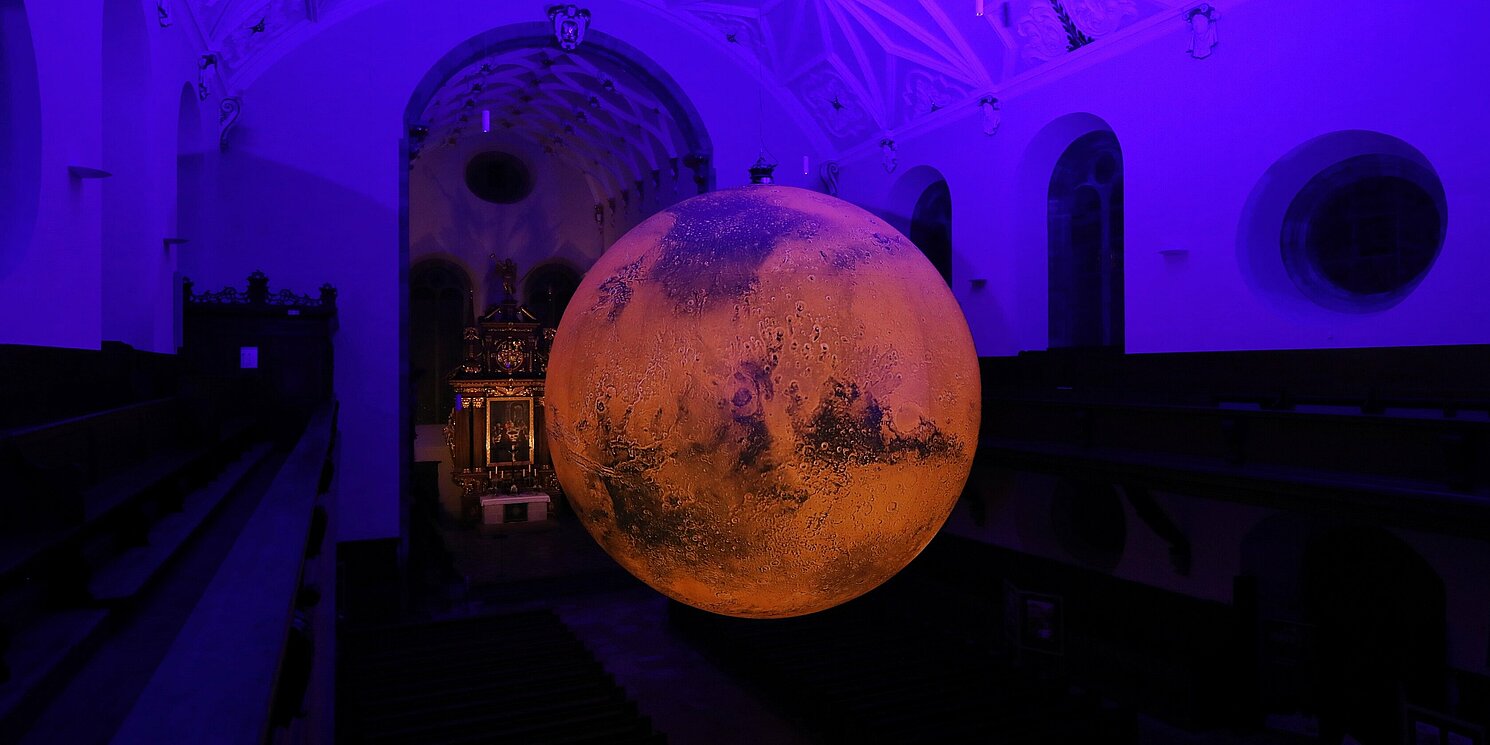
point(439, 311)
point(1085, 233)
point(931, 227)
point(547, 290)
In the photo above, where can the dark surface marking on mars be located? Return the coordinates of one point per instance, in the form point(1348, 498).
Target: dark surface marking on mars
point(754, 439)
point(616, 291)
point(850, 425)
point(717, 243)
point(640, 518)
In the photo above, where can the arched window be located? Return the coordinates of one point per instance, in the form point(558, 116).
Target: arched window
point(547, 290)
point(931, 227)
point(439, 310)
point(1085, 222)
point(1363, 232)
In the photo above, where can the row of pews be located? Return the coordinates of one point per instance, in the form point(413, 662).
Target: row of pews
point(93, 508)
point(1400, 435)
point(254, 660)
point(521, 677)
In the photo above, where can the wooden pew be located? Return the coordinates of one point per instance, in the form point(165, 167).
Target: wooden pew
point(218, 682)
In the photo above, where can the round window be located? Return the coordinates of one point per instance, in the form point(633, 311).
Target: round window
point(1362, 233)
point(498, 177)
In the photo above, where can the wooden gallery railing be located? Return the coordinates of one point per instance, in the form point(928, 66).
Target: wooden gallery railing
point(258, 649)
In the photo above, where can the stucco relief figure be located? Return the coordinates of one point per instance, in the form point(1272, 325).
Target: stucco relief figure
point(1045, 36)
point(992, 115)
point(888, 158)
point(1202, 19)
point(1099, 17)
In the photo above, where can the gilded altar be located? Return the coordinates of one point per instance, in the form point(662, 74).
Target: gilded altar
point(496, 433)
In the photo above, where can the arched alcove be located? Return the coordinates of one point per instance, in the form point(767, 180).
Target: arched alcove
point(129, 241)
point(921, 207)
point(439, 311)
point(1024, 215)
point(20, 133)
point(547, 291)
point(1085, 238)
point(931, 227)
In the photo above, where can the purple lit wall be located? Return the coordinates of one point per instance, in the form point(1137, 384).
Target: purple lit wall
point(1197, 137)
point(84, 261)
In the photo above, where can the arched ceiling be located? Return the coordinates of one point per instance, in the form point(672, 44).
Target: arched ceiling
point(863, 69)
point(582, 109)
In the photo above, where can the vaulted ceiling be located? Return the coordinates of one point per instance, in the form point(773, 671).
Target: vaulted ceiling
point(588, 112)
point(861, 68)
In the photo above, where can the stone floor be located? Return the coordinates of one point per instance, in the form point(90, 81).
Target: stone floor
point(623, 622)
point(557, 565)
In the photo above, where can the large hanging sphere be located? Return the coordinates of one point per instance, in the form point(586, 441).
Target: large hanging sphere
point(763, 402)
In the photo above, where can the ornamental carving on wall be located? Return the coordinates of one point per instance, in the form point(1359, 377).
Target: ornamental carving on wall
point(834, 106)
point(926, 92)
point(1045, 37)
point(1099, 17)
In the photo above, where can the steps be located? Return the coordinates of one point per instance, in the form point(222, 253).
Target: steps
point(521, 677)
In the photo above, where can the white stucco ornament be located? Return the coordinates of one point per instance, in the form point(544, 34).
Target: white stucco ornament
point(1202, 20)
point(570, 24)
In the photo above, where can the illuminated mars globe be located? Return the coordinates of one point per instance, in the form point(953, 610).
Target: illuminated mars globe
point(763, 402)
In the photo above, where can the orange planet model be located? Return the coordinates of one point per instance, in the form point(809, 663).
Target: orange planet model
point(763, 401)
